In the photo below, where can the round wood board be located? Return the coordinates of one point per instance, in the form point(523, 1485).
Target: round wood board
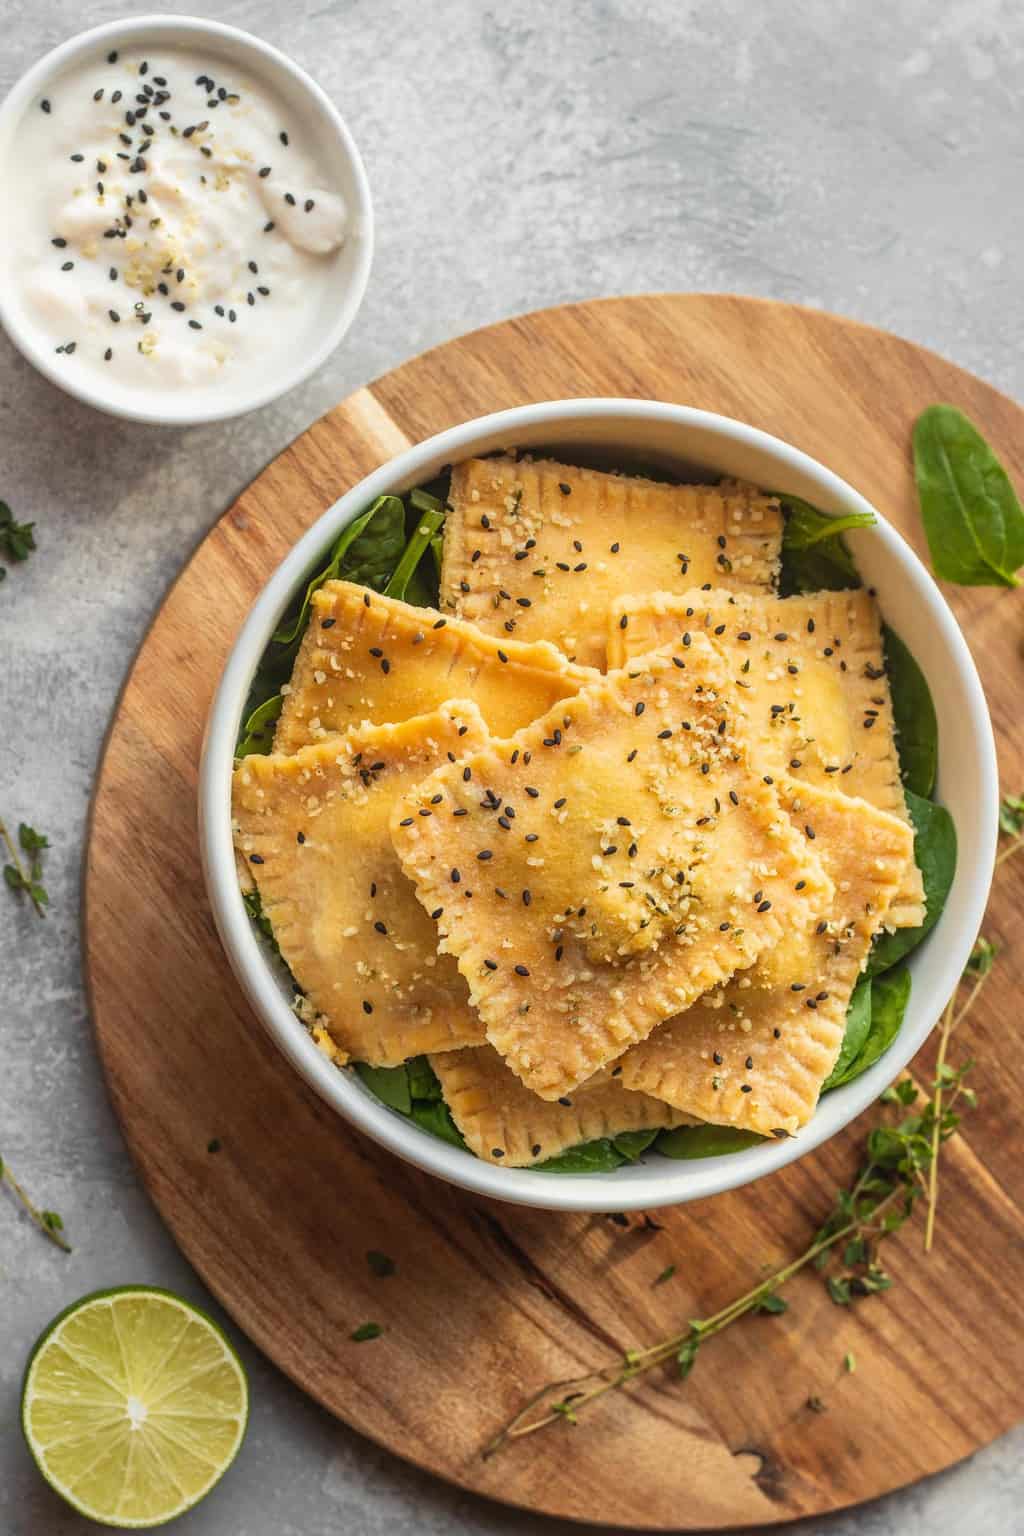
point(491, 1301)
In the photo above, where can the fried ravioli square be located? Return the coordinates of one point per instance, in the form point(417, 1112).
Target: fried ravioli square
point(756, 1057)
point(606, 866)
point(538, 549)
point(812, 672)
point(313, 830)
point(365, 657)
point(503, 1122)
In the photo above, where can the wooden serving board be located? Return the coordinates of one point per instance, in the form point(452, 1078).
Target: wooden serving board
point(489, 1301)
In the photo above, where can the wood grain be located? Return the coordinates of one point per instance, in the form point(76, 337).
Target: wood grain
point(490, 1301)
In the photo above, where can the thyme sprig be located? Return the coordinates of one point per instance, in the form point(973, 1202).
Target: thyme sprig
point(17, 877)
point(1011, 824)
point(17, 540)
point(49, 1223)
point(899, 1168)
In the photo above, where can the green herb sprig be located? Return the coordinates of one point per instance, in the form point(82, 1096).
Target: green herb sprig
point(17, 540)
point(899, 1169)
point(1011, 824)
point(29, 880)
point(49, 1223)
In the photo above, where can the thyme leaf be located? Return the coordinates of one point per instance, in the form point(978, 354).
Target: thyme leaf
point(17, 876)
point(50, 1224)
point(17, 540)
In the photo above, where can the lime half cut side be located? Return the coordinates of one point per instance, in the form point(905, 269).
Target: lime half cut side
point(134, 1405)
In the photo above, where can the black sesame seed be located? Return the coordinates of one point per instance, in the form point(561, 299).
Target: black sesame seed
point(44, 105)
point(255, 858)
point(66, 266)
point(264, 171)
point(639, 707)
point(289, 199)
point(309, 205)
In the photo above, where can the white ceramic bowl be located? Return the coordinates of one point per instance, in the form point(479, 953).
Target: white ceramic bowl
point(682, 440)
point(326, 135)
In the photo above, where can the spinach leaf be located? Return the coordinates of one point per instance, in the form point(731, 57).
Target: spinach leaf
point(389, 1084)
point(254, 907)
point(858, 1027)
point(814, 556)
point(935, 855)
point(423, 1083)
point(257, 732)
point(366, 551)
point(426, 527)
point(601, 1156)
point(436, 1119)
point(632, 1143)
point(917, 730)
point(806, 526)
point(973, 520)
point(889, 997)
point(691, 1141)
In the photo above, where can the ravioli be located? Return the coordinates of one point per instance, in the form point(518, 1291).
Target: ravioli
point(503, 1122)
point(756, 1058)
point(607, 865)
point(313, 829)
point(538, 549)
point(373, 658)
point(812, 672)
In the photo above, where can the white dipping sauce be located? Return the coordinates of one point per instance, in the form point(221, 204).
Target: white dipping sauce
point(172, 226)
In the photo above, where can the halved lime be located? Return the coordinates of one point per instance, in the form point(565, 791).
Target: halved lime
point(133, 1404)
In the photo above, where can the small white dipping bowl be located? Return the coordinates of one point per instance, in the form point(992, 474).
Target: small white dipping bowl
point(621, 433)
point(328, 140)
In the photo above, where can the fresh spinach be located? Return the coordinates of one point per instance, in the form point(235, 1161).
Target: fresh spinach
point(258, 730)
point(858, 1027)
point(935, 856)
point(405, 572)
point(973, 520)
point(423, 1081)
point(692, 1141)
point(366, 551)
point(600, 1156)
point(389, 1084)
point(890, 995)
point(807, 526)
point(436, 1119)
point(814, 555)
point(917, 730)
point(632, 1143)
point(254, 906)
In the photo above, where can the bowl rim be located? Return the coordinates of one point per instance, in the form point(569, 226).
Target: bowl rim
point(678, 1183)
point(130, 31)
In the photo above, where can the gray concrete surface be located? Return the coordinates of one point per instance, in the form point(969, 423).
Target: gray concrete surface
point(864, 158)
